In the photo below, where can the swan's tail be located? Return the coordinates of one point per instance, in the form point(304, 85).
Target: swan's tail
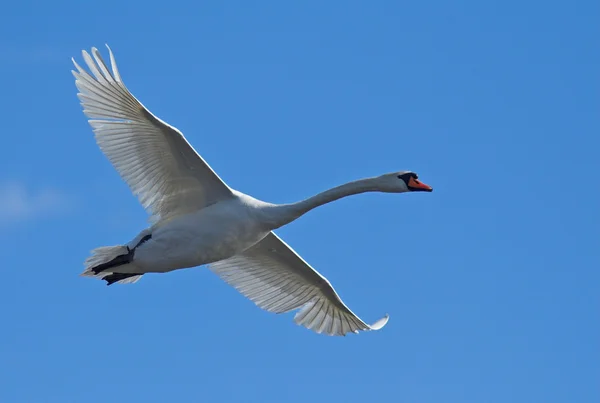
point(112, 264)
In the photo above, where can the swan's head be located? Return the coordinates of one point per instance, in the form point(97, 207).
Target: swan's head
point(400, 182)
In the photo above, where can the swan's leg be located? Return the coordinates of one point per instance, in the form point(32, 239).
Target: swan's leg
point(120, 260)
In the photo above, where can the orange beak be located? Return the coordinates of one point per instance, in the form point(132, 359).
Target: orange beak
point(416, 185)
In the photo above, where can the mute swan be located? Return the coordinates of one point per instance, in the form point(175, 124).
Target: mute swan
point(196, 219)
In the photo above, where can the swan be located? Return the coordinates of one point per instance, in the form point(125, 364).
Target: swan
point(196, 219)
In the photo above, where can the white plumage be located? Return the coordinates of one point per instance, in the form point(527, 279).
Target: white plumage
point(153, 158)
point(197, 219)
point(276, 279)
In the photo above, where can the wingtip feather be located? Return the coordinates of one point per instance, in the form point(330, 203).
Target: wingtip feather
point(380, 323)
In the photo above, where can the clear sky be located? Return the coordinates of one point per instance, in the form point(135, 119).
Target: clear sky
point(491, 281)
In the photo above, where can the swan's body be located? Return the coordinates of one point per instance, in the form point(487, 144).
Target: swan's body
point(196, 219)
point(213, 233)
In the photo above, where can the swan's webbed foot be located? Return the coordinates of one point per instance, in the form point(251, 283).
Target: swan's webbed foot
point(114, 277)
point(118, 261)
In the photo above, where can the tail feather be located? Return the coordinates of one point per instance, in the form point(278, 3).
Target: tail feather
point(102, 255)
point(105, 254)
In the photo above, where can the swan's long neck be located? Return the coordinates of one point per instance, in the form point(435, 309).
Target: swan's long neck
point(286, 213)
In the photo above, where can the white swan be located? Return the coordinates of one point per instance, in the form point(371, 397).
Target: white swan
point(197, 219)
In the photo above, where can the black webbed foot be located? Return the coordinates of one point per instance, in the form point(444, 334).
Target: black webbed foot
point(114, 277)
point(118, 261)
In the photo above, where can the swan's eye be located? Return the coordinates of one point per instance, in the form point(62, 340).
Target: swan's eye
point(405, 176)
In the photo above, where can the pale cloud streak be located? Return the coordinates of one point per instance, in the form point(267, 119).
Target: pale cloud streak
point(19, 202)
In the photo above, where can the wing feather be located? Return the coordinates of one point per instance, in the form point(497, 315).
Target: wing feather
point(277, 279)
point(161, 168)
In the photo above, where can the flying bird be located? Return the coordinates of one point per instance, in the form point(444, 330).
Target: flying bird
point(197, 219)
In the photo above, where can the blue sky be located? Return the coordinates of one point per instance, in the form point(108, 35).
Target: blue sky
point(491, 281)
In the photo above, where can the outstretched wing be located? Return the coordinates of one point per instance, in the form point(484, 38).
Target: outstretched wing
point(278, 280)
point(153, 158)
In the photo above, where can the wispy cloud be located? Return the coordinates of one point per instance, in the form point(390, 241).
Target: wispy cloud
point(19, 202)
